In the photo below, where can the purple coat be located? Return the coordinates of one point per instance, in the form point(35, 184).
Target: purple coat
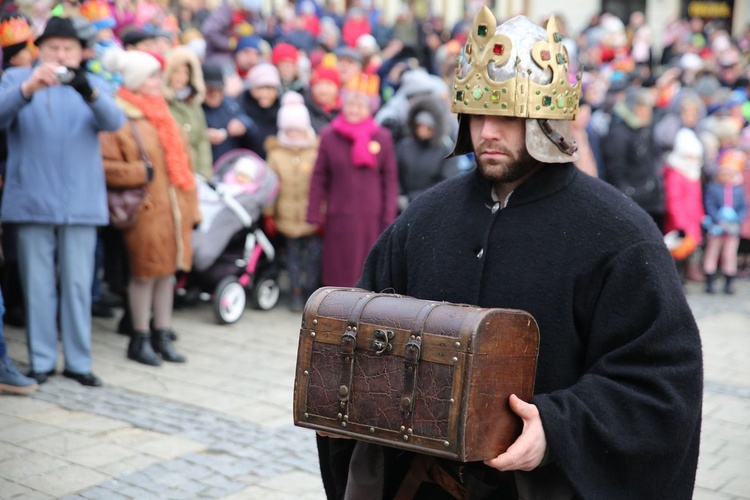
point(358, 203)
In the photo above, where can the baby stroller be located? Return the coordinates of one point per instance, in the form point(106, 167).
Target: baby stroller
point(233, 259)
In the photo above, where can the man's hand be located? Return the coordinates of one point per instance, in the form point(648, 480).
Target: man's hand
point(216, 135)
point(529, 449)
point(42, 77)
point(236, 128)
point(81, 84)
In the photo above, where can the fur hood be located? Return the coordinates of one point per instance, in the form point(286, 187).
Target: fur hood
point(177, 57)
point(433, 107)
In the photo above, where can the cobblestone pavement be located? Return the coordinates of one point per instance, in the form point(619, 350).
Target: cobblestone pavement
point(220, 426)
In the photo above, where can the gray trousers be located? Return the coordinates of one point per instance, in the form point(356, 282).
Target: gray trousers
point(46, 252)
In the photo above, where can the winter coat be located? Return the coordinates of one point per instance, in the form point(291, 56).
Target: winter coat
point(294, 167)
point(319, 118)
point(159, 242)
point(422, 164)
point(264, 118)
point(359, 203)
point(683, 203)
point(632, 161)
point(220, 117)
point(716, 196)
point(189, 112)
point(54, 169)
point(619, 365)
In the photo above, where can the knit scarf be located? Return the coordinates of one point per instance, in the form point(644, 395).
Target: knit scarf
point(156, 110)
point(361, 134)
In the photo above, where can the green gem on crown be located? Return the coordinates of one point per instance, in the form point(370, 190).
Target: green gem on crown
point(482, 30)
point(477, 93)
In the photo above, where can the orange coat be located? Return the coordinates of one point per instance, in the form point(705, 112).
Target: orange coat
point(159, 242)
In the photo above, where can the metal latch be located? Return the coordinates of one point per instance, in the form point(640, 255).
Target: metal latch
point(382, 344)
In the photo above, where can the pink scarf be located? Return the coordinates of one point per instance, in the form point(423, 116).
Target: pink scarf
point(361, 134)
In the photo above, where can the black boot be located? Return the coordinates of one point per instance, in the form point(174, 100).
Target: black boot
point(140, 349)
point(162, 342)
point(728, 288)
point(710, 278)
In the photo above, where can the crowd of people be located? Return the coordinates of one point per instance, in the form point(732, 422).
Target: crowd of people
point(350, 112)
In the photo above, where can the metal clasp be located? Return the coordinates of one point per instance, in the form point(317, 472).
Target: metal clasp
point(382, 344)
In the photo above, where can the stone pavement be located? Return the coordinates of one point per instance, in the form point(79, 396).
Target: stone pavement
point(220, 426)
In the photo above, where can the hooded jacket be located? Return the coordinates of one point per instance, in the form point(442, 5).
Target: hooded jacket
point(423, 164)
point(632, 160)
point(188, 112)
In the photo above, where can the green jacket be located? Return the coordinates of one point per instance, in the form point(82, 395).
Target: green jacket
point(189, 116)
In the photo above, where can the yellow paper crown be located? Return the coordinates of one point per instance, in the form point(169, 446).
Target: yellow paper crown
point(95, 10)
point(364, 83)
point(478, 93)
point(14, 30)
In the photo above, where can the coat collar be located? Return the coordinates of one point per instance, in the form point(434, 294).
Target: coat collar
point(130, 110)
point(550, 179)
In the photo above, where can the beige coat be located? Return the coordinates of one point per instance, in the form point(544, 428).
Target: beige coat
point(159, 242)
point(294, 167)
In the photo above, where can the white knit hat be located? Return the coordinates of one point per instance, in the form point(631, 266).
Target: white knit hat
point(687, 155)
point(134, 66)
point(293, 113)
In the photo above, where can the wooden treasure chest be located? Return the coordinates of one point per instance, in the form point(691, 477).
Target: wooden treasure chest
point(419, 375)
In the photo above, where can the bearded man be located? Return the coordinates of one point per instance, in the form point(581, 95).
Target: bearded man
point(616, 412)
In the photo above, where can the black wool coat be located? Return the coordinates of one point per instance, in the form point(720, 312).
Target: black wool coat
point(619, 377)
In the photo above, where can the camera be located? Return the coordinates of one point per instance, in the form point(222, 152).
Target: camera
point(63, 74)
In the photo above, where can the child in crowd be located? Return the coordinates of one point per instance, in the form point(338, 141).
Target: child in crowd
point(291, 154)
point(683, 196)
point(726, 208)
point(228, 126)
point(286, 57)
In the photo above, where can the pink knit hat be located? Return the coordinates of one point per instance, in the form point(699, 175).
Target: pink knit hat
point(293, 113)
point(263, 75)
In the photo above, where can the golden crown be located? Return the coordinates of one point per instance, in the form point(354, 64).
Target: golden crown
point(486, 49)
point(95, 10)
point(14, 30)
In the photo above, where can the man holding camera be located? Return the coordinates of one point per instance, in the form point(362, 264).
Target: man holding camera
point(56, 194)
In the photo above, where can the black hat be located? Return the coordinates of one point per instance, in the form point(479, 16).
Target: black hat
point(135, 36)
point(58, 27)
point(212, 75)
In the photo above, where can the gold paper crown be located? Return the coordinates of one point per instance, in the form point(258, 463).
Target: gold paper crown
point(364, 83)
point(15, 30)
point(478, 93)
point(95, 10)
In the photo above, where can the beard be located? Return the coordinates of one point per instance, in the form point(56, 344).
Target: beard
point(511, 168)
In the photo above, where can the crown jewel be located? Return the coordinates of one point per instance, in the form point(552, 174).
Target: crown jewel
point(536, 81)
point(13, 31)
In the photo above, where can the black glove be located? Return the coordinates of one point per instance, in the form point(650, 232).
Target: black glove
point(81, 84)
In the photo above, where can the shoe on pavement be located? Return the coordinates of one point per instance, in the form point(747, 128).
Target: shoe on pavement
point(88, 379)
point(41, 377)
point(12, 380)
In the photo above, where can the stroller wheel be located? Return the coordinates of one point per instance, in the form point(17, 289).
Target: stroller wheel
point(265, 293)
point(229, 301)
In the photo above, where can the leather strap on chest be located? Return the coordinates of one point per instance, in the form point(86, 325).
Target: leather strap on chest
point(348, 349)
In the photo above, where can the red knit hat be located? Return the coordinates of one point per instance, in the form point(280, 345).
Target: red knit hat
point(284, 52)
point(323, 73)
